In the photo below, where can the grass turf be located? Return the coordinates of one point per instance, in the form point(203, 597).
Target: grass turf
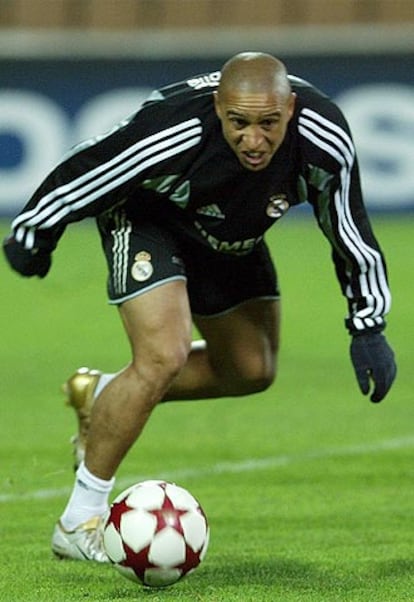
point(308, 487)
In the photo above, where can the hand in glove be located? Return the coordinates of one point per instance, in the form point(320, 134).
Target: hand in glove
point(373, 359)
point(28, 262)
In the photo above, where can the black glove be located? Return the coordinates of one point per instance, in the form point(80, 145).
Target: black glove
point(373, 359)
point(28, 262)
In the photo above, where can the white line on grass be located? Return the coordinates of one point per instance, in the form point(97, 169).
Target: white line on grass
point(248, 465)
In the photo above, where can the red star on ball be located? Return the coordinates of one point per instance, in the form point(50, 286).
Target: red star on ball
point(168, 516)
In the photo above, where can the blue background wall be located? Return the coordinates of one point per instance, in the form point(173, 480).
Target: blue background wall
point(46, 106)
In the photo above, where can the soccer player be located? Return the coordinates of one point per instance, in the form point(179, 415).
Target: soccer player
point(183, 193)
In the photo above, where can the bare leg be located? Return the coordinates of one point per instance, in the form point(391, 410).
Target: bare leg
point(238, 358)
point(158, 325)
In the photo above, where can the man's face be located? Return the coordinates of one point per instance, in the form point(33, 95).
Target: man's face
point(254, 124)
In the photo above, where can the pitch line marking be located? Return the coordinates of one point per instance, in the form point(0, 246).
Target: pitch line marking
point(220, 468)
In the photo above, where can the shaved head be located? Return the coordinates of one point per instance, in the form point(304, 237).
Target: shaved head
point(254, 72)
point(254, 103)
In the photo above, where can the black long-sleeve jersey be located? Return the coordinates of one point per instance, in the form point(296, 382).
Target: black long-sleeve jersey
point(170, 161)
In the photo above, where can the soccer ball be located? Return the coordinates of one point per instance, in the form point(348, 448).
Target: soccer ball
point(156, 533)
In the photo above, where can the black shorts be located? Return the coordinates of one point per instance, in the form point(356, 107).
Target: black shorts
point(142, 257)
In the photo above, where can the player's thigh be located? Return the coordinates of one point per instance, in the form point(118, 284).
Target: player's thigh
point(147, 281)
point(244, 341)
point(158, 324)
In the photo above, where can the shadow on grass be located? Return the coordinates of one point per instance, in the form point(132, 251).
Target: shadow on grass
point(213, 579)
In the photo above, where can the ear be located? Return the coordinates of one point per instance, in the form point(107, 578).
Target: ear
point(217, 104)
point(291, 104)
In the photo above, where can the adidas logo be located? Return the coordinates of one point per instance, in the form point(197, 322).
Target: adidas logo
point(211, 211)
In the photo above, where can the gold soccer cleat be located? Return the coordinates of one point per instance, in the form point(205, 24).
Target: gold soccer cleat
point(83, 543)
point(80, 388)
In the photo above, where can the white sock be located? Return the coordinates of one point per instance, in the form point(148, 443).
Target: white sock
point(89, 498)
point(104, 379)
point(198, 345)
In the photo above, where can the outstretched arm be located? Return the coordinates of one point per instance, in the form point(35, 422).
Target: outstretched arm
point(335, 193)
point(97, 176)
point(362, 273)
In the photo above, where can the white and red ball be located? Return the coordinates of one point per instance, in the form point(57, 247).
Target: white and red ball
point(156, 533)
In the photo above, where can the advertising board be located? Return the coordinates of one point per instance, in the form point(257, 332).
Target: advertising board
point(47, 106)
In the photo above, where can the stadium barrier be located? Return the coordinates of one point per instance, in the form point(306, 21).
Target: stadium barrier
point(59, 89)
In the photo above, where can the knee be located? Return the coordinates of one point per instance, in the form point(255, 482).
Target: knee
point(259, 379)
point(159, 364)
point(248, 377)
point(170, 359)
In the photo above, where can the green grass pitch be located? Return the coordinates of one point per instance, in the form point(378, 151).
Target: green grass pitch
point(308, 487)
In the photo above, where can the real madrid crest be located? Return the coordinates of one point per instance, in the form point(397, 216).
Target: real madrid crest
point(142, 268)
point(278, 205)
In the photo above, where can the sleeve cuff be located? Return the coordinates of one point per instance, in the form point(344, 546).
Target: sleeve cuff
point(356, 325)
